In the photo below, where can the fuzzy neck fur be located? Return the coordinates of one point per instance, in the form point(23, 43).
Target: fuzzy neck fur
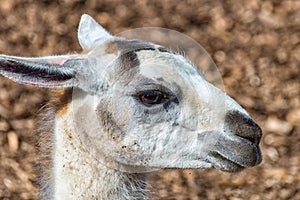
point(70, 172)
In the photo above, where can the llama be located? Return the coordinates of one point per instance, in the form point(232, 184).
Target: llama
point(123, 107)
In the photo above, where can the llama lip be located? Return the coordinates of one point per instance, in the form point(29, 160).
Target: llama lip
point(229, 152)
point(233, 153)
point(224, 164)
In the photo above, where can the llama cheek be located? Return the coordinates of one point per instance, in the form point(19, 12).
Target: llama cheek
point(107, 121)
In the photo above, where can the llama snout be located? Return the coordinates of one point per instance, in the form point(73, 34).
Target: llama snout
point(243, 126)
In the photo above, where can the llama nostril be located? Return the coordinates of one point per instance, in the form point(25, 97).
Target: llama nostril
point(243, 126)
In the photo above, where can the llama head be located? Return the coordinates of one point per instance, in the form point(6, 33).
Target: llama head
point(138, 105)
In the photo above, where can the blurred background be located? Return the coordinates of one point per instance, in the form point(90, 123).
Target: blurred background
point(255, 44)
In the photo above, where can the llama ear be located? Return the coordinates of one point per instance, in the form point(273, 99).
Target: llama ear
point(90, 33)
point(49, 72)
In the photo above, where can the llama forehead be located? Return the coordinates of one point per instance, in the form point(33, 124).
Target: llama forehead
point(166, 62)
point(169, 67)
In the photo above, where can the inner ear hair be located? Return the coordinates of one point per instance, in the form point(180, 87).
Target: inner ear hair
point(38, 73)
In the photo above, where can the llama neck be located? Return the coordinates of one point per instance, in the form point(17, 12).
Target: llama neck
point(77, 175)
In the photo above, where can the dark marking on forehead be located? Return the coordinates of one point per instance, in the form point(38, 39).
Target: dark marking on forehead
point(127, 62)
point(163, 49)
point(123, 46)
point(133, 45)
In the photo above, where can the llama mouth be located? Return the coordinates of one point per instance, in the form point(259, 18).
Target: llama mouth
point(234, 153)
point(224, 164)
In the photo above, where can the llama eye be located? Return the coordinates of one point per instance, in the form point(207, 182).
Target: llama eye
point(152, 97)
